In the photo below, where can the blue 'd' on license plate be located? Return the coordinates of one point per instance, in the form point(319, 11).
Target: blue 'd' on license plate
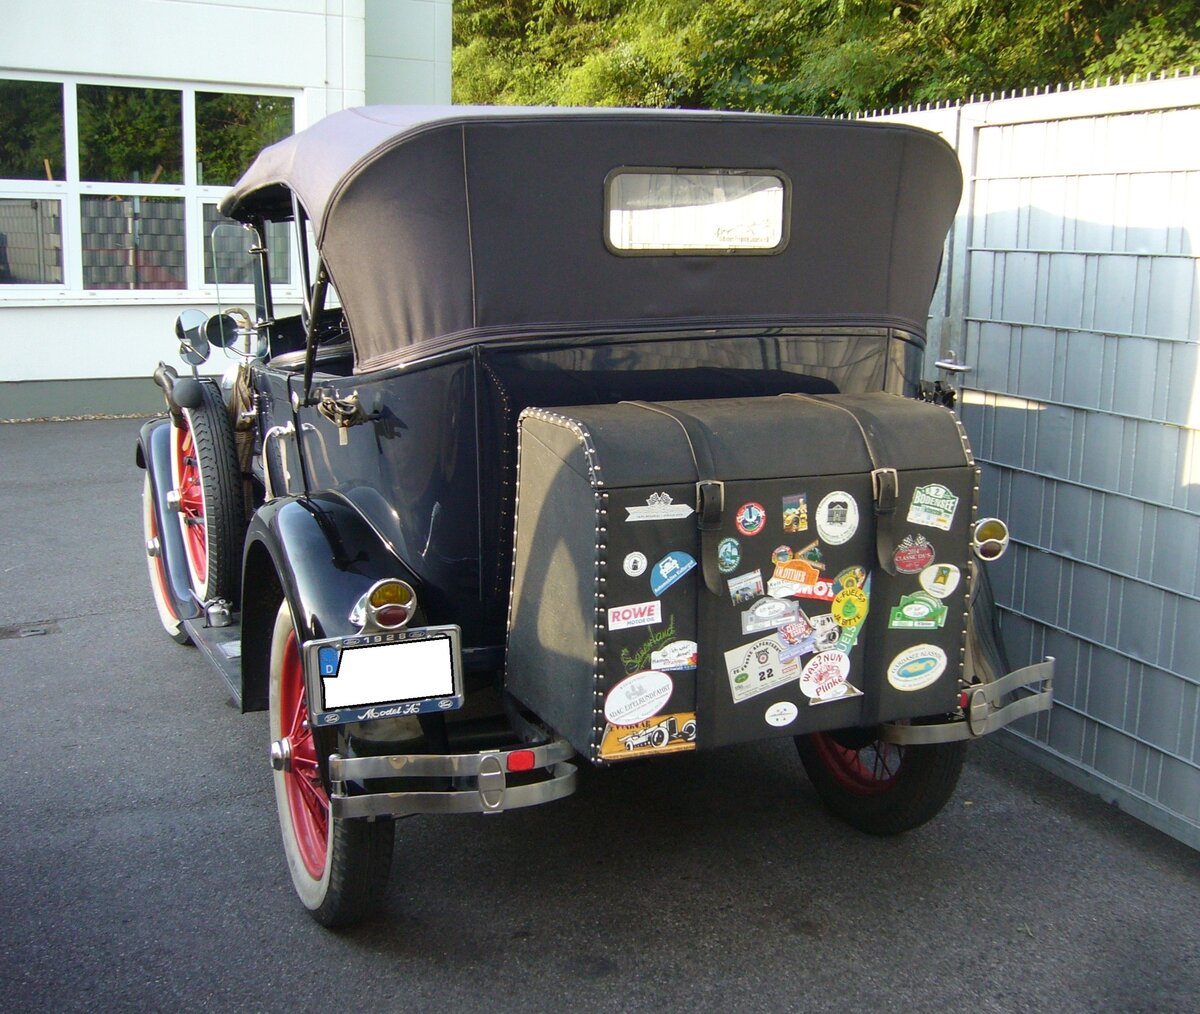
point(386, 675)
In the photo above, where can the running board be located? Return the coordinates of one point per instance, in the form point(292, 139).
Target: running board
point(222, 646)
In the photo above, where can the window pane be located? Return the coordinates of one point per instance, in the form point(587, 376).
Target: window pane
point(133, 243)
point(228, 242)
point(130, 135)
point(31, 130)
point(30, 242)
point(231, 129)
point(711, 211)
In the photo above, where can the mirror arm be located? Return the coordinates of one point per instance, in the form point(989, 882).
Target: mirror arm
point(310, 338)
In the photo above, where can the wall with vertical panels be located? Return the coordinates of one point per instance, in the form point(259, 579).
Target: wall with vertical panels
point(1072, 287)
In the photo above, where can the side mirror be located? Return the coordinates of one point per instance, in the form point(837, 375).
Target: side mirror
point(193, 344)
point(225, 328)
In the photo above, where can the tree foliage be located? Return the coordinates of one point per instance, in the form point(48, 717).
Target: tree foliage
point(804, 56)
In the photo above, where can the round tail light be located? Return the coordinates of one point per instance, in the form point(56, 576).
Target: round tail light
point(989, 539)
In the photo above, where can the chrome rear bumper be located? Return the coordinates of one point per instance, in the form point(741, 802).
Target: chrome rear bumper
point(985, 710)
point(481, 781)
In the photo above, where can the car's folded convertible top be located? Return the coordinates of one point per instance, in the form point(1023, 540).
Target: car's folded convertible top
point(443, 227)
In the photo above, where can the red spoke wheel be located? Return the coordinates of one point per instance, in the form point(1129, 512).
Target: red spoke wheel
point(206, 475)
point(339, 867)
point(158, 574)
point(879, 787)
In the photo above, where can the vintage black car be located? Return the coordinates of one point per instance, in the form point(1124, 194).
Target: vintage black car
point(613, 443)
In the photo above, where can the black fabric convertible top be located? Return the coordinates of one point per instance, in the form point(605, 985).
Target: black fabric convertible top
point(446, 226)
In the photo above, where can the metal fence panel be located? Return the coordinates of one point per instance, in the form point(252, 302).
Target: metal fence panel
point(1072, 287)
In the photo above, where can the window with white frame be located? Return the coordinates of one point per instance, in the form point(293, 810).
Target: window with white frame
point(112, 187)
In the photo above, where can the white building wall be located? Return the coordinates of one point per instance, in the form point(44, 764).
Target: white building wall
point(1072, 287)
point(315, 51)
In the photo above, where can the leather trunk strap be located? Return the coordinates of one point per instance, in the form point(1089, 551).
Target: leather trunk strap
point(885, 489)
point(710, 491)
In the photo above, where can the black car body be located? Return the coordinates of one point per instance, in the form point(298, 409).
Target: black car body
point(570, 342)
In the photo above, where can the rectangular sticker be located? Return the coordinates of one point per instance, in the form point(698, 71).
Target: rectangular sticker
point(933, 506)
point(755, 668)
point(640, 614)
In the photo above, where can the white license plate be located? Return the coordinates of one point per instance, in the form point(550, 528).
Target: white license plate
point(369, 676)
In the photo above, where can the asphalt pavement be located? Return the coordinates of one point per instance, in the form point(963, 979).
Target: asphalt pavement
point(141, 867)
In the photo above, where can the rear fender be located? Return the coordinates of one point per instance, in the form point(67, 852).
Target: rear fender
point(154, 454)
point(321, 555)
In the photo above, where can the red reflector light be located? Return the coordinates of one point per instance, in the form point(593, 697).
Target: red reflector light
point(391, 616)
point(521, 760)
point(962, 700)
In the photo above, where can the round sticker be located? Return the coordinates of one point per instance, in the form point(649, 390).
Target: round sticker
point(917, 667)
point(729, 555)
point(638, 697)
point(913, 555)
point(940, 580)
point(781, 714)
point(849, 607)
point(837, 517)
point(781, 554)
point(635, 564)
point(825, 675)
point(751, 518)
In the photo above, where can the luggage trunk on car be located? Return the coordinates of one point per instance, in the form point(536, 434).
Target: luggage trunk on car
point(819, 581)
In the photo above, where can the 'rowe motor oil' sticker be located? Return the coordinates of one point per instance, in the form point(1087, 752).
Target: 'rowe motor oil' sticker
point(640, 614)
point(917, 667)
point(755, 668)
point(660, 734)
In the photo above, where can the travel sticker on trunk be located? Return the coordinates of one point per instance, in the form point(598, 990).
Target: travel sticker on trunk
point(913, 554)
point(756, 668)
point(638, 697)
point(768, 614)
point(837, 517)
point(659, 507)
point(643, 658)
point(745, 587)
point(918, 611)
point(917, 667)
point(933, 506)
point(660, 734)
point(826, 678)
point(670, 569)
point(795, 513)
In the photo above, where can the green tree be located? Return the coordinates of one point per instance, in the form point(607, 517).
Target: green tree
point(805, 56)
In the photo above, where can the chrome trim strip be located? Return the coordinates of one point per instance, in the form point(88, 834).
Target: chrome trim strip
point(401, 804)
point(451, 765)
point(985, 712)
